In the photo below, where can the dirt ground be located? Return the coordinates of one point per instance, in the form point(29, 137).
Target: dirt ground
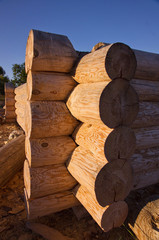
point(13, 217)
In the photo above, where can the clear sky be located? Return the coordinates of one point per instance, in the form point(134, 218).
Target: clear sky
point(85, 22)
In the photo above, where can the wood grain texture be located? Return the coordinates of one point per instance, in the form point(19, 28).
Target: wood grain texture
point(48, 119)
point(113, 104)
point(48, 151)
point(147, 65)
point(148, 115)
point(107, 217)
point(110, 62)
point(9, 87)
point(146, 90)
point(104, 142)
point(49, 52)
point(108, 182)
point(21, 93)
point(10, 113)
point(46, 180)
point(12, 156)
point(50, 204)
point(49, 86)
point(144, 219)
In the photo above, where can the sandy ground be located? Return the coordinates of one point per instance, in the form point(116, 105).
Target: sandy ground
point(13, 215)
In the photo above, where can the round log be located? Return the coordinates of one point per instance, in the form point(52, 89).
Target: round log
point(21, 93)
point(47, 180)
point(50, 204)
point(48, 151)
point(10, 114)
point(9, 87)
point(48, 119)
point(9, 101)
point(49, 86)
point(108, 182)
point(107, 217)
point(49, 52)
point(108, 63)
point(105, 142)
point(148, 115)
point(114, 104)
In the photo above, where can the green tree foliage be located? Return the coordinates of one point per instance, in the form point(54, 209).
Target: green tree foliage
point(19, 75)
point(3, 79)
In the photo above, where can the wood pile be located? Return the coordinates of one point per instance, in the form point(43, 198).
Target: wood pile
point(42, 113)
point(113, 93)
point(10, 115)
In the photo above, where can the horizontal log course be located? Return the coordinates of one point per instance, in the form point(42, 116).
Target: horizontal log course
point(49, 52)
point(10, 108)
point(48, 151)
point(113, 104)
point(9, 101)
point(9, 87)
point(108, 63)
point(20, 107)
point(10, 114)
point(49, 86)
point(107, 217)
point(104, 142)
point(147, 63)
point(12, 156)
point(21, 93)
point(144, 218)
point(148, 115)
point(146, 90)
point(107, 182)
point(47, 180)
point(10, 120)
point(50, 204)
point(48, 119)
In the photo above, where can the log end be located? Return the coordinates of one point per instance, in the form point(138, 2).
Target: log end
point(27, 178)
point(29, 54)
point(113, 182)
point(118, 104)
point(114, 216)
point(120, 62)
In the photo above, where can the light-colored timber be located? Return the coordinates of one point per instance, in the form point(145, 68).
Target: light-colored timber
point(144, 218)
point(12, 156)
point(48, 151)
point(49, 86)
point(113, 104)
point(49, 52)
point(108, 63)
point(107, 217)
point(21, 93)
point(50, 204)
point(47, 180)
point(108, 182)
point(105, 142)
point(48, 119)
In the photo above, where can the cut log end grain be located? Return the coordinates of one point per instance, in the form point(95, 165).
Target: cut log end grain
point(113, 182)
point(49, 52)
point(120, 62)
point(118, 104)
point(114, 216)
point(120, 143)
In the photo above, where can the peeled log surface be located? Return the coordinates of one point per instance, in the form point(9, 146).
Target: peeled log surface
point(12, 156)
point(49, 86)
point(105, 142)
point(21, 93)
point(148, 115)
point(49, 204)
point(147, 65)
point(48, 151)
point(108, 63)
point(48, 119)
point(49, 52)
point(147, 137)
point(113, 104)
point(9, 87)
point(46, 180)
point(144, 218)
point(146, 90)
point(21, 122)
point(107, 217)
point(9, 101)
point(10, 114)
point(106, 182)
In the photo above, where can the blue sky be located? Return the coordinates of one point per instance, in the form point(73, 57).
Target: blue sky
point(85, 22)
